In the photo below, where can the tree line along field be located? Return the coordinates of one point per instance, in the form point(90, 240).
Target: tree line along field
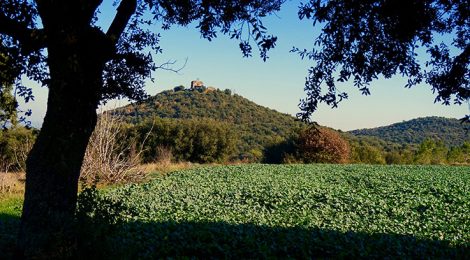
point(220, 127)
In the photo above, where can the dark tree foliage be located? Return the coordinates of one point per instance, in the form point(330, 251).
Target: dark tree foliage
point(363, 40)
point(8, 102)
point(191, 140)
point(59, 44)
point(8, 106)
point(127, 60)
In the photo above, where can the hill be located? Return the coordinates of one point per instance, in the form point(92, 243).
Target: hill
point(448, 130)
point(255, 125)
point(193, 121)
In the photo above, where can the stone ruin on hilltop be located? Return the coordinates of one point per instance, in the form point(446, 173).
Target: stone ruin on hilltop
point(197, 84)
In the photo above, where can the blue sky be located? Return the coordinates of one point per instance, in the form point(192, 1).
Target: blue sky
point(277, 83)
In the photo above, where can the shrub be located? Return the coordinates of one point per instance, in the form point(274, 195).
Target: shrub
point(164, 156)
point(393, 158)
point(106, 159)
point(322, 145)
point(283, 151)
point(368, 154)
point(15, 144)
point(178, 88)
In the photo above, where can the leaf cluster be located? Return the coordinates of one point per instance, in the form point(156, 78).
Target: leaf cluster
point(364, 40)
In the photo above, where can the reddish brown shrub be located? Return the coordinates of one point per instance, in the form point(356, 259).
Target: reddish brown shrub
point(322, 145)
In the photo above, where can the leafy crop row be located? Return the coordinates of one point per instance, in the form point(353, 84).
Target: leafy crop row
point(293, 211)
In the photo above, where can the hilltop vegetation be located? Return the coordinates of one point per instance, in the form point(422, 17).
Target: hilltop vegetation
point(181, 120)
point(255, 126)
point(413, 132)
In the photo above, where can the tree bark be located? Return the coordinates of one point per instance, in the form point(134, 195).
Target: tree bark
point(76, 62)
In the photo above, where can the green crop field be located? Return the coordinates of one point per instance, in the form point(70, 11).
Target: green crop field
point(299, 211)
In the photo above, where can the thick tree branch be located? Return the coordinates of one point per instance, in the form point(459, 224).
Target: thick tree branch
point(124, 13)
point(92, 5)
point(30, 39)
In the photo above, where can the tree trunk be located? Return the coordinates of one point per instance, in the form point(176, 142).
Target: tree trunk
point(53, 166)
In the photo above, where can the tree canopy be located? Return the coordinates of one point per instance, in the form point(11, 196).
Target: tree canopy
point(60, 45)
point(27, 26)
point(363, 40)
point(360, 41)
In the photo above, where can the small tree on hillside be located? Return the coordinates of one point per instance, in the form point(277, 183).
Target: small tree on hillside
point(431, 152)
point(367, 154)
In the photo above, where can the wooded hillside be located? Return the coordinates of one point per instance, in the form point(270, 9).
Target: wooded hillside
point(255, 125)
point(448, 130)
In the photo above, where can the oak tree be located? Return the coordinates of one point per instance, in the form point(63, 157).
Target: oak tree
point(60, 45)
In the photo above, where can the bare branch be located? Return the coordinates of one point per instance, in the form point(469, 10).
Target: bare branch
point(106, 159)
point(168, 66)
point(124, 13)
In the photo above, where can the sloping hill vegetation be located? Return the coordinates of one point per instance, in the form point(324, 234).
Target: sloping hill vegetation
point(255, 133)
point(205, 125)
point(447, 130)
point(255, 126)
point(195, 140)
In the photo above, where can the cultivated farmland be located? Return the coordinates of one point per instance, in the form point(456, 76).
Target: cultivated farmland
point(258, 211)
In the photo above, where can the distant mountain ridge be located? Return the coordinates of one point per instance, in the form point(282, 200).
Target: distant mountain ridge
point(448, 130)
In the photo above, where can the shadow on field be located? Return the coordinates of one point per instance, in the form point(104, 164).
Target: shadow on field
point(9, 225)
point(222, 240)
